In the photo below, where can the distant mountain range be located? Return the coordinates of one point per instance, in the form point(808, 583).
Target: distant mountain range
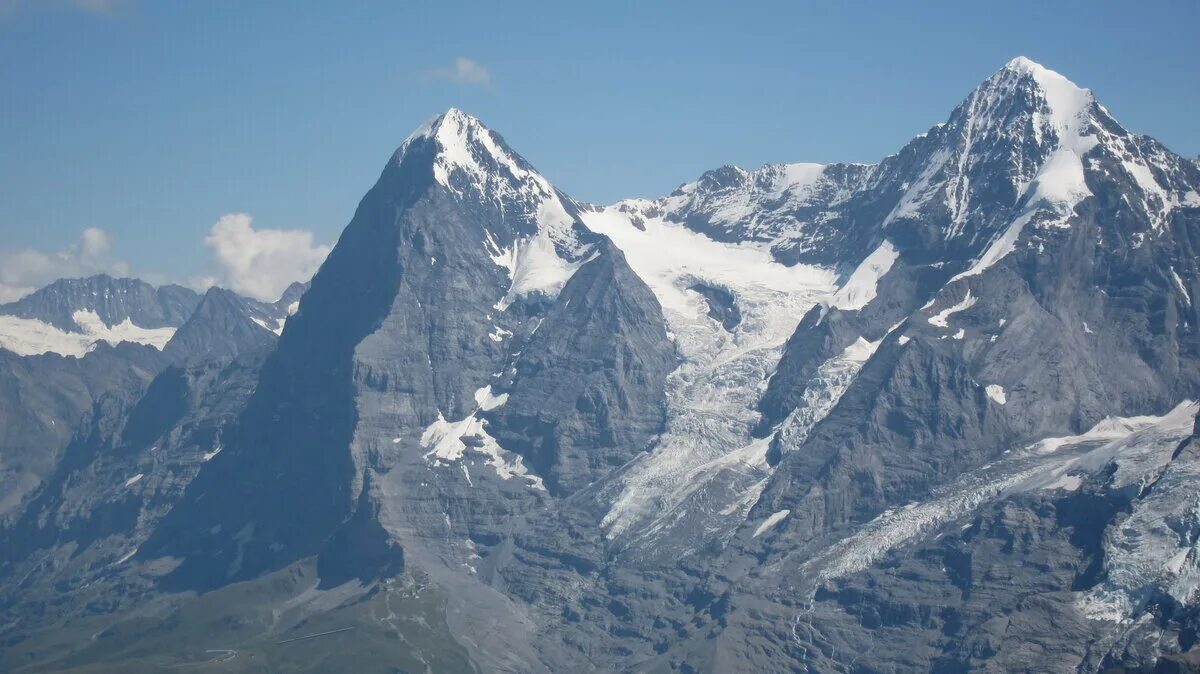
point(931, 414)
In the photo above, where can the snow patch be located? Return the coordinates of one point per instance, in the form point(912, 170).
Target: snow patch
point(1182, 286)
point(771, 521)
point(996, 393)
point(445, 442)
point(275, 326)
point(487, 400)
point(863, 284)
point(940, 319)
point(534, 265)
point(31, 337)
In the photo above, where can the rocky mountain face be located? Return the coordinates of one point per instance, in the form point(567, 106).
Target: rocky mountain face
point(112, 300)
point(225, 324)
point(61, 408)
point(931, 414)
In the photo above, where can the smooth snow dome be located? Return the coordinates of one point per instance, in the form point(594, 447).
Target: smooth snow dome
point(31, 337)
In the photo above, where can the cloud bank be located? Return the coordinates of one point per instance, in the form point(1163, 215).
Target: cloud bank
point(260, 263)
point(25, 270)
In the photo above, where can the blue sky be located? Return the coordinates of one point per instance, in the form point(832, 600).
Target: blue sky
point(151, 119)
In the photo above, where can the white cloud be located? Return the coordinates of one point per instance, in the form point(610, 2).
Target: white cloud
point(25, 270)
point(464, 71)
point(260, 263)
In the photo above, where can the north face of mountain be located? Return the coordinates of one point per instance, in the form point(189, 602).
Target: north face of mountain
point(461, 264)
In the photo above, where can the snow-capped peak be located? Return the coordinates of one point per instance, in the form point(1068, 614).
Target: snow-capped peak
point(1068, 103)
point(537, 235)
point(471, 157)
point(1023, 64)
point(465, 143)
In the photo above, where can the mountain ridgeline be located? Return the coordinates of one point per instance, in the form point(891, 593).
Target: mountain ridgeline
point(931, 414)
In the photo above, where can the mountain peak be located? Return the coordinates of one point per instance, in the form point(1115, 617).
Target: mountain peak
point(465, 148)
point(1024, 64)
point(474, 163)
point(451, 129)
point(1066, 101)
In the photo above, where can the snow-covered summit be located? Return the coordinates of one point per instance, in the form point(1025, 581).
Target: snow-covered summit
point(470, 156)
point(538, 236)
point(1026, 146)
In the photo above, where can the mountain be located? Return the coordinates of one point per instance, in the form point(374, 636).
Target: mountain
point(1030, 281)
point(931, 414)
point(70, 315)
point(121, 334)
point(112, 300)
point(225, 325)
point(463, 280)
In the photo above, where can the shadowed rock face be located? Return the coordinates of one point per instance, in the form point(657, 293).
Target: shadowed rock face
point(45, 400)
point(588, 391)
point(283, 483)
point(124, 468)
point(722, 305)
point(974, 454)
point(222, 326)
